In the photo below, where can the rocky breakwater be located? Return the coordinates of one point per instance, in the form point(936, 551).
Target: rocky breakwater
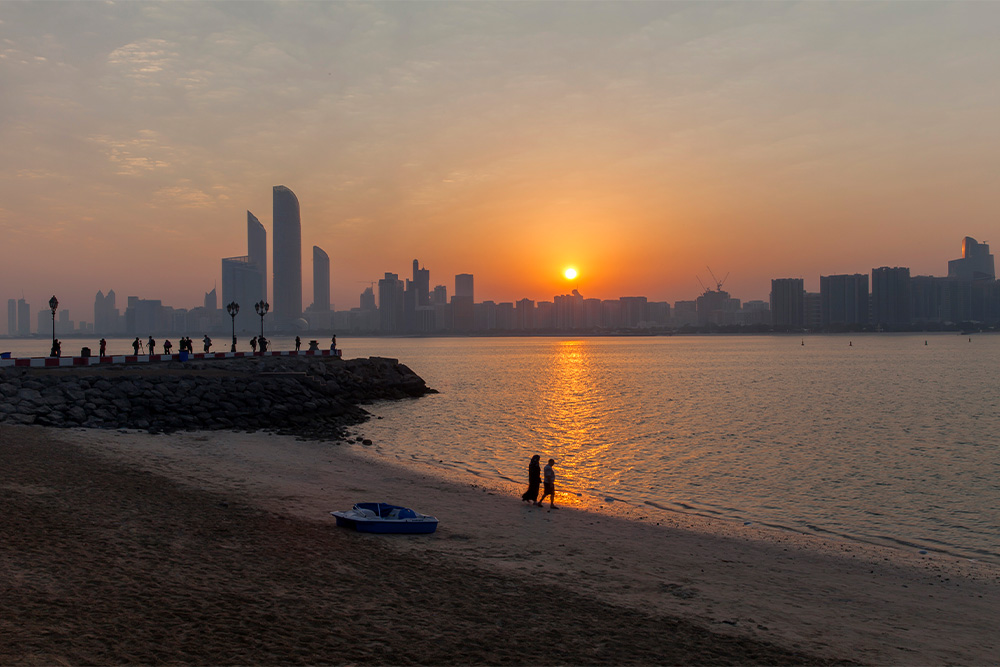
point(308, 396)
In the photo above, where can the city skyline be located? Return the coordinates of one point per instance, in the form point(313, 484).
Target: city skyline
point(639, 143)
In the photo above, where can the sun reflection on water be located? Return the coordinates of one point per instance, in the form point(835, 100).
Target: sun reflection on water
point(574, 424)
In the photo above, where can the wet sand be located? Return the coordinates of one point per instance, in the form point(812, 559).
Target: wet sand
point(218, 548)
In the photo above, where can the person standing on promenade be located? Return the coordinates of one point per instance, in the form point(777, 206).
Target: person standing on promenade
point(104, 347)
point(152, 345)
point(534, 481)
point(253, 345)
point(167, 345)
point(135, 345)
point(298, 343)
point(550, 485)
point(207, 343)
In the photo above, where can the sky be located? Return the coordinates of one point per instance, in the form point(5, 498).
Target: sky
point(639, 142)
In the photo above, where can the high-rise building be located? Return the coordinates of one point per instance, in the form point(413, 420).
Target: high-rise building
point(464, 285)
point(212, 300)
point(321, 280)
point(633, 311)
point(244, 279)
point(844, 300)
point(23, 318)
point(439, 296)
point(390, 304)
point(11, 317)
point(256, 250)
point(287, 247)
point(368, 300)
point(462, 304)
point(976, 262)
point(891, 297)
point(788, 302)
point(106, 314)
point(422, 281)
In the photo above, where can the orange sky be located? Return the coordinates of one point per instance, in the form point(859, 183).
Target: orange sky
point(638, 142)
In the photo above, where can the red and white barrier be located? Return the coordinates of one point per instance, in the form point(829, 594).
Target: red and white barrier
point(47, 362)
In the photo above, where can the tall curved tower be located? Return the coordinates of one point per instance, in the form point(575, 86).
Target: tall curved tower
point(287, 242)
point(321, 279)
point(257, 247)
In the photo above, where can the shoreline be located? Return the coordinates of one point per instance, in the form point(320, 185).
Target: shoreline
point(825, 598)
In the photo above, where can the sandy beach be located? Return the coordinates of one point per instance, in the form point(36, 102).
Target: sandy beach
point(207, 548)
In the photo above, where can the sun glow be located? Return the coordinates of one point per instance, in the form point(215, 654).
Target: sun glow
point(570, 273)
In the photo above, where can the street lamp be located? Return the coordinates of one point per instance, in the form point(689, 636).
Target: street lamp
point(233, 308)
point(53, 304)
point(262, 307)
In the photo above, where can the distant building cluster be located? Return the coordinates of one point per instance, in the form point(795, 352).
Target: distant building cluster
point(897, 301)
point(969, 295)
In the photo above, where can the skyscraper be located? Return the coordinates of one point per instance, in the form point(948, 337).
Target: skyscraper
point(976, 262)
point(844, 300)
point(23, 318)
point(321, 279)
point(287, 243)
point(788, 302)
point(390, 304)
point(891, 296)
point(244, 279)
point(212, 300)
point(462, 308)
point(11, 317)
point(422, 281)
point(257, 249)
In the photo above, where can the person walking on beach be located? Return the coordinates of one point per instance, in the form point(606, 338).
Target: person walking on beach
point(550, 485)
point(534, 481)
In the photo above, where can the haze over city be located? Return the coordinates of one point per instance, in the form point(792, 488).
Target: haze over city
point(636, 142)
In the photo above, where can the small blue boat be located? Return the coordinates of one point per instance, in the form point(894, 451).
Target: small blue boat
point(385, 518)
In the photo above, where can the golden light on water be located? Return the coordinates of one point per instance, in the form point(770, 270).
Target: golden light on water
point(573, 421)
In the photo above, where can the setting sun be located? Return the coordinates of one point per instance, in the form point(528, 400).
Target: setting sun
point(570, 273)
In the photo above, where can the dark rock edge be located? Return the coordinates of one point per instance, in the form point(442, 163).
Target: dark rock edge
point(311, 397)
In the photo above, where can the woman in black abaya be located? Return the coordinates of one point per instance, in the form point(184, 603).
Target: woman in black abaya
point(534, 480)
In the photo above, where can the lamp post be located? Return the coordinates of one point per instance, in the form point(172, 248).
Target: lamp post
point(53, 304)
point(233, 308)
point(262, 307)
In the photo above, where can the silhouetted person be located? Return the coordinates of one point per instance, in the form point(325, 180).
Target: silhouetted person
point(253, 344)
point(207, 343)
point(233, 349)
point(135, 345)
point(333, 343)
point(263, 344)
point(550, 485)
point(298, 343)
point(152, 345)
point(56, 348)
point(534, 481)
point(104, 347)
point(167, 346)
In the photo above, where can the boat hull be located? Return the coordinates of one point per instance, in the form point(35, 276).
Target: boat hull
point(384, 518)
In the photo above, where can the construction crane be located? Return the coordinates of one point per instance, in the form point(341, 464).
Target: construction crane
point(718, 283)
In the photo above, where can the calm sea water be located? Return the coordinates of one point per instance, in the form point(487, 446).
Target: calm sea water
point(891, 439)
point(878, 438)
